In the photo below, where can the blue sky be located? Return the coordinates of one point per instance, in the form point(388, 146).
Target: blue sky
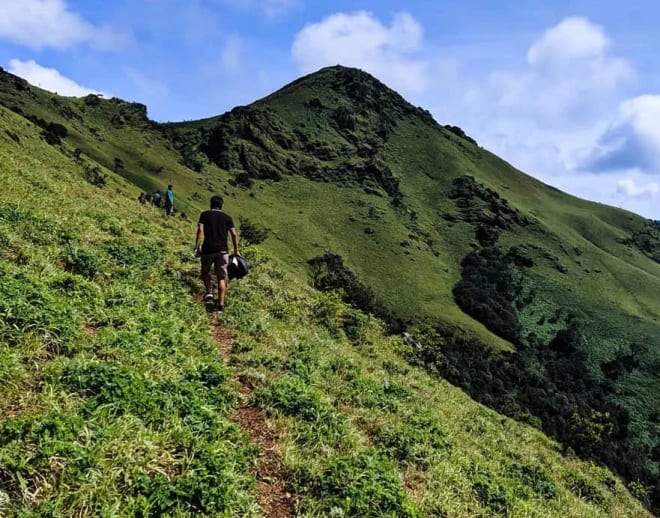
point(567, 91)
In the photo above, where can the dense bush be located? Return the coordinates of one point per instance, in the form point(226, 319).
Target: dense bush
point(329, 273)
point(252, 233)
point(365, 486)
point(95, 176)
point(551, 385)
point(647, 240)
point(489, 287)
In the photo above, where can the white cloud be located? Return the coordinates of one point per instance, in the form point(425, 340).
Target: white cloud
point(48, 79)
point(361, 40)
point(629, 187)
point(546, 116)
point(633, 139)
point(50, 23)
point(574, 38)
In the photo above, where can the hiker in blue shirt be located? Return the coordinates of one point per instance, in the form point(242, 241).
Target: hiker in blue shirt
point(169, 201)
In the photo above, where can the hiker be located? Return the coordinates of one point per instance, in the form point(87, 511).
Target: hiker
point(142, 198)
point(169, 201)
point(156, 199)
point(213, 227)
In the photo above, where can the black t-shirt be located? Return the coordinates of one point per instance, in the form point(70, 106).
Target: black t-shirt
point(216, 227)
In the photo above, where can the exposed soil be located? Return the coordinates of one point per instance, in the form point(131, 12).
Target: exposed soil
point(273, 494)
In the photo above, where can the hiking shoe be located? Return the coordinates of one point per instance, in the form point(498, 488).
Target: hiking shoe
point(221, 308)
point(208, 297)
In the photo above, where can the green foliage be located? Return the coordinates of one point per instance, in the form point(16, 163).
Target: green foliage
point(329, 274)
point(647, 239)
point(415, 441)
point(125, 351)
point(291, 396)
point(584, 488)
point(489, 287)
point(535, 479)
point(253, 233)
point(94, 176)
point(135, 256)
point(81, 262)
point(495, 497)
point(364, 485)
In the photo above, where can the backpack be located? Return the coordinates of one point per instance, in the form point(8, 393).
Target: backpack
point(237, 267)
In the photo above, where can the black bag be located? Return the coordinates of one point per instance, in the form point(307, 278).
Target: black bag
point(237, 267)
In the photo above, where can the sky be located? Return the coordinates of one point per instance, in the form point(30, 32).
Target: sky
point(567, 91)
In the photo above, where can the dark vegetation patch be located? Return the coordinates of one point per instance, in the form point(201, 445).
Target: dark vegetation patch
point(414, 441)
point(94, 175)
point(256, 141)
point(485, 208)
point(364, 485)
point(460, 133)
point(491, 284)
point(647, 240)
point(329, 273)
point(13, 136)
point(253, 233)
point(82, 262)
point(550, 385)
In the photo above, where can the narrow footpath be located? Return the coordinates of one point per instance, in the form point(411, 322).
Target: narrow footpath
point(273, 494)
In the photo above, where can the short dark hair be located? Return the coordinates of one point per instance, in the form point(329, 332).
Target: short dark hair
point(216, 202)
point(169, 187)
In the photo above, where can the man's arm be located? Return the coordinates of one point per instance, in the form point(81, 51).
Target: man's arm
point(234, 239)
point(199, 238)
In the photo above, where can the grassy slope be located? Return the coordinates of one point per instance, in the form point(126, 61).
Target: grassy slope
point(114, 401)
point(113, 398)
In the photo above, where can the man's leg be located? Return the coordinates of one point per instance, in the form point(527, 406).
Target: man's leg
point(206, 274)
point(221, 272)
point(222, 291)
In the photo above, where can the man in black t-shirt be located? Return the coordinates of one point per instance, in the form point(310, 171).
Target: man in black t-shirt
point(213, 227)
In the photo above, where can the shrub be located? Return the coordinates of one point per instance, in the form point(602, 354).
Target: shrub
point(128, 254)
point(413, 441)
point(583, 488)
point(365, 486)
point(535, 479)
point(492, 495)
point(94, 176)
point(329, 273)
point(53, 133)
point(290, 395)
point(488, 289)
point(253, 233)
point(81, 262)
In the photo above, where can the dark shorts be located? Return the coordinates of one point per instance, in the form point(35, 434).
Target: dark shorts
point(219, 260)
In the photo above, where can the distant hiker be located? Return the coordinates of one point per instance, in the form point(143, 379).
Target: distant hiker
point(213, 227)
point(169, 201)
point(142, 198)
point(156, 199)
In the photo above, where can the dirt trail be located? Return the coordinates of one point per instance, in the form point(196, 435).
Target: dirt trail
point(273, 493)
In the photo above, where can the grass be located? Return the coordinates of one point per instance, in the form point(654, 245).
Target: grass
point(114, 399)
point(365, 434)
point(101, 351)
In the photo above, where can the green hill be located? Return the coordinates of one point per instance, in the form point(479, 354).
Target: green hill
point(538, 304)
